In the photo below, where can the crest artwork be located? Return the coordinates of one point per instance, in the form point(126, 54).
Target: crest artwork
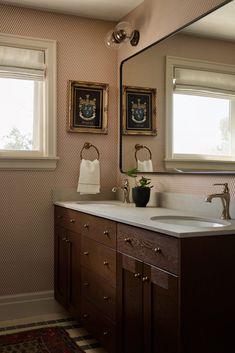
point(88, 107)
point(139, 111)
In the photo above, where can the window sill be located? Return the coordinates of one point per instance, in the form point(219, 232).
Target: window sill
point(199, 165)
point(28, 163)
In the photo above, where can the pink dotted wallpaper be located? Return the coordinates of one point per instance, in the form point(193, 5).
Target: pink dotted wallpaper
point(26, 230)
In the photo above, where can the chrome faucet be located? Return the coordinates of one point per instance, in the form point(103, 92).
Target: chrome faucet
point(126, 190)
point(225, 198)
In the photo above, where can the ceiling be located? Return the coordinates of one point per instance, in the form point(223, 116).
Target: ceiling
point(219, 24)
point(112, 10)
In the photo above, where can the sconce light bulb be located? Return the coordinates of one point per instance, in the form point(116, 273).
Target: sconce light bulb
point(111, 41)
point(122, 33)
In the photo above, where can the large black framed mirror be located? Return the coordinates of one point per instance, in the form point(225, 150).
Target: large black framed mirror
point(178, 100)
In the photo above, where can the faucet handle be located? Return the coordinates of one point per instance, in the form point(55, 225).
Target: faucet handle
point(226, 189)
point(126, 182)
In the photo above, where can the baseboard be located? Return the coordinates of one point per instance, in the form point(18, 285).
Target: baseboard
point(26, 298)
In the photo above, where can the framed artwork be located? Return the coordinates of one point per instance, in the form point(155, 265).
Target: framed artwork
point(88, 107)
point(139, 111)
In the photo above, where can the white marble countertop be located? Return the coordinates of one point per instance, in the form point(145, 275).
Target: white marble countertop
point(141, 217)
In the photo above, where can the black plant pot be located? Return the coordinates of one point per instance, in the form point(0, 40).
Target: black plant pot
point(140, 196)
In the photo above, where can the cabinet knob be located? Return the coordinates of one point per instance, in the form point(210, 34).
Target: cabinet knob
point(86, 225)
point(72, 220)
point(67, 241)
point(105, 263)
point(127, 240)
point(105, 333)
point(145, 279)
point(64, 239)
point(85, 253)
point(137, 275)
point(86, 284)
point(106, 232)
point(157, 250)
point(59, 216)
point(85, 316)
point(106, 297)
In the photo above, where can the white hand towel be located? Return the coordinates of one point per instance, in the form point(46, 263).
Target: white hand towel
point(89, 178)
point(145, 166)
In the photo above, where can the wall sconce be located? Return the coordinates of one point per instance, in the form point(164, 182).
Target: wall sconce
point(123, 32)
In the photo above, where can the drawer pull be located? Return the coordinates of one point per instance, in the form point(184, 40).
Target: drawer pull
point(105, 333)
point(105, 263)
point(85, 316)
point(86, 225)
point(127, 240)
point(67, 241)
point(157, 250)
point(64, 239)
point(72, 220)
point(85, 253)
point(106, 232)
point(86, 284)
point(59, 216)
point(137, 275)
point(145, 279)
point(106, 297)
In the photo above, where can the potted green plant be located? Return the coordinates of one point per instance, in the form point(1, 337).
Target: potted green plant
point(141, 192)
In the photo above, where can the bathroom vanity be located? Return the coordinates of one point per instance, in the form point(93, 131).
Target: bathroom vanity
point(142, 286)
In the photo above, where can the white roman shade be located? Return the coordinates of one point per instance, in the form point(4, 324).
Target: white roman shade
point(187, 79)
point(22, 63)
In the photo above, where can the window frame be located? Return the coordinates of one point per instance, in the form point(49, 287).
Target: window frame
point(47, 158)
point(181, 162)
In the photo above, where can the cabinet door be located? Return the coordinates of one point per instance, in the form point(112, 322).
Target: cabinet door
point(160, 291)
point(61, 266)
point(74, 273)
point(129, 302)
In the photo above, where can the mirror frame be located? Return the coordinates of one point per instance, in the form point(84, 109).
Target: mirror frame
point(121, 101)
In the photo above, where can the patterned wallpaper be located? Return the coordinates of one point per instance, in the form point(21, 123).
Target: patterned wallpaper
point(26, 231)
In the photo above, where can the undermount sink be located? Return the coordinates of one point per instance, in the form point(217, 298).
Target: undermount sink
point(100, 203)
point(191, 221)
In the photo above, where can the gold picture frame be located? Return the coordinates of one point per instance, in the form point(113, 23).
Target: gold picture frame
point(88, 107)
point(139, 111)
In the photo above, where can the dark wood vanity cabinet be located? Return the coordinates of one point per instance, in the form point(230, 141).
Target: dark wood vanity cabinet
point(67, 259)
point(139, 291)
point(175, 295)
point(85, 271)
point(147, 308)
point(98, 286)
point(148, 296)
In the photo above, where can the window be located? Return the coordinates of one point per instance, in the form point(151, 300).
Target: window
point(209, 131)
point(28, 108)
point(201, 115)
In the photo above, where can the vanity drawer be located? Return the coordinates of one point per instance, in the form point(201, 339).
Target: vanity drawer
point(100, 259)
point(99, 292)
point(99, 326)
point(151, 247)
point(99, 229)
point(68, 219)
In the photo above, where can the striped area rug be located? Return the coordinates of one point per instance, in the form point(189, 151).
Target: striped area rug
point(82, 338)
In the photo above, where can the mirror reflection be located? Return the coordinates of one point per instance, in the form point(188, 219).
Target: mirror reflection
point(188, 124)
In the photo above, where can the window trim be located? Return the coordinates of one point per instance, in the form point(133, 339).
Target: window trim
point(182, 162)
point(48, 159)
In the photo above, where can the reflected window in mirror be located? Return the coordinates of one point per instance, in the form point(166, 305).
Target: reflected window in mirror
point(200, 114)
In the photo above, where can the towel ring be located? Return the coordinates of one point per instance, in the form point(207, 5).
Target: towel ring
point(139, 147)
point(88, 145)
